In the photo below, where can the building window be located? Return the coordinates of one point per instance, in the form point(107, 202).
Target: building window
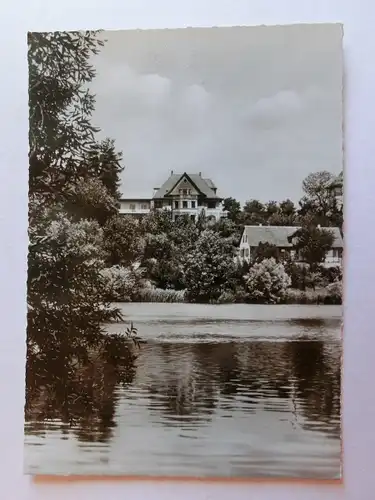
point(336, 253)
point(176, 204)
point(132, 206)
point(193, 204)
point(158, 203)
point(144, 206)
point(184, 204)
point(211, 204)
point(242, 252)
point(247, 252)
point(185, 191)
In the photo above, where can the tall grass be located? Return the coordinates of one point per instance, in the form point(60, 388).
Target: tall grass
point(323, 296)
point(159, 295)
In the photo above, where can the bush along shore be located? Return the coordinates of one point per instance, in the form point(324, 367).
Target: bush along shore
point(264, 283)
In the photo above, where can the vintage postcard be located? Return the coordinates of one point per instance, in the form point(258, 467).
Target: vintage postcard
point(185, 253)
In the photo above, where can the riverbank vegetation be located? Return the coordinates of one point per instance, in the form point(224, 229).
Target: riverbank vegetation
point(73, 200)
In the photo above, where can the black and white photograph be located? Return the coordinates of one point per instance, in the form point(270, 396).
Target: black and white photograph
point(186, 250)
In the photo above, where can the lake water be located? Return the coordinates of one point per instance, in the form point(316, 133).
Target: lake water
point(230, 390)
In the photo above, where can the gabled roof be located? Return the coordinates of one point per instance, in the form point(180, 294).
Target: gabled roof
point(210, 183)
point(278, 235)
point(204, 186)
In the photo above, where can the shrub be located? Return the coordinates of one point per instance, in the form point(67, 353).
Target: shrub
point(334, 293)
point(65, 286)
point(209, 268)
point(227, 297)
point(331, 295)
point(331, 274)
point(293, 296)
point(150, 294)
point(122, 283)
point(267, 281)
point(298, 274)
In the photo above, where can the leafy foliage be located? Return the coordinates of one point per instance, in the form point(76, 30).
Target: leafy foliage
point(73, 185)
point(103, 162)
point(208, 267)
point(265, 251)
point(267, 281)
point(312, 244)
point(60, 131)
point(318, 205)
point(123, 240)
point(233, 207)
point(89, 199)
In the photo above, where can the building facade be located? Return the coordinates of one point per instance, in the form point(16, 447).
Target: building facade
point(280, 237)
point(336, 187)
point(181, 195)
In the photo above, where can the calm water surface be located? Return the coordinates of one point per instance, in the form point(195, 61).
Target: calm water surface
point(235, 390)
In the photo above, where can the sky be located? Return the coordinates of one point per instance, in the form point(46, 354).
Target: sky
point(256, 109)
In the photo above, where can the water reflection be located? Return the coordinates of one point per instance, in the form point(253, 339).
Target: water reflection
point(80, 396)
point(198, 378)
point(212, 407)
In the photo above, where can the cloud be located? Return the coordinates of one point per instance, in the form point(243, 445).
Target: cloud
point(259, 111)
point(147, 90)
point(275, 110)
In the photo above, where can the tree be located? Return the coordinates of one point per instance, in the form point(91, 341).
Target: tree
point(208, 267)
point(66, 292)
point(60, 104)
point(267, 281)
point(285, 215)
point(254, 212)
point(233, 207)
point(318, 205)
point(312, 244)
point(123, 241)
point(266, 251)
point(103, 162)
point(228, 229)
point(271, 208)
point(287, 208)
point(65, 289)
point(89, 199)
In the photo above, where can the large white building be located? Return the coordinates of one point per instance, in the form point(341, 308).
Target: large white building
point(181, 195)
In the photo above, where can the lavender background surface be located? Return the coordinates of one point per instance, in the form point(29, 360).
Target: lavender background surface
point(359, 340)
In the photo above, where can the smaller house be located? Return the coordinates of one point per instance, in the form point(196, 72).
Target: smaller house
point(280, 237)
point(135, 206)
